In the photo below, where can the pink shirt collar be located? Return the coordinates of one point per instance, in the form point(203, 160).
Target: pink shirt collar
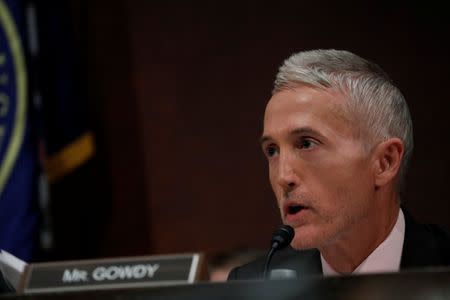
point(385, 258)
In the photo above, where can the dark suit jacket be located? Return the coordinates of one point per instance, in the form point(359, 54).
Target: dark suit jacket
point(424, 246)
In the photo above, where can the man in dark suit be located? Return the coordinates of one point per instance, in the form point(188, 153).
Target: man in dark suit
point(338, 138)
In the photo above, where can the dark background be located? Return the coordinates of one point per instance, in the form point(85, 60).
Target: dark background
point(176, 95)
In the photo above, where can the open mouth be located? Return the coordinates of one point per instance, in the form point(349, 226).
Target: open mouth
point(294, 209)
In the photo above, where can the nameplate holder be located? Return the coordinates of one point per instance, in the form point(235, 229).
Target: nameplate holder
point(133, 272)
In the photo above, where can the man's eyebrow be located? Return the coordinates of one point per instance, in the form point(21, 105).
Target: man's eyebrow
point(296, 131)
point(304, 130)
point(264, 139)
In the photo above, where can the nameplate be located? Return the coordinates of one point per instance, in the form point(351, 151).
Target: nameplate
point(111, 273)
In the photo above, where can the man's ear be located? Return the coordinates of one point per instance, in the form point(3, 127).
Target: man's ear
point(387, 160)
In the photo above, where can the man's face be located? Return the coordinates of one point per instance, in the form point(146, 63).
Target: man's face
point(319, 169)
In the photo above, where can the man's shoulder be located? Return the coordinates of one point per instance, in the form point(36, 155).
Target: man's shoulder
point(303, 262)
point(426, 245)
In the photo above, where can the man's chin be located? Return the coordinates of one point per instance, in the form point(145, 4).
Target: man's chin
point(305, 241)
point(303, 246)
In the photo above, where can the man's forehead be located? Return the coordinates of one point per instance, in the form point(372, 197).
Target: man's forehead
point(333, 99)
point(306, 107)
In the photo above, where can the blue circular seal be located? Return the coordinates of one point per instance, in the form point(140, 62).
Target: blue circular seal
point(13, 94)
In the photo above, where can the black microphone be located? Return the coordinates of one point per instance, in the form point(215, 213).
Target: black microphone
point(281, 238)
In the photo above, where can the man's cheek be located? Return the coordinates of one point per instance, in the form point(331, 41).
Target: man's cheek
point(279, 200)
point(272, 177)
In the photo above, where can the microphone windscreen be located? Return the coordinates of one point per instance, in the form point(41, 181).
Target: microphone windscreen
point(282, 237)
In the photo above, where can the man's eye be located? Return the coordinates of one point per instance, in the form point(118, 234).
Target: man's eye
point(306, 144)
point(271, 151)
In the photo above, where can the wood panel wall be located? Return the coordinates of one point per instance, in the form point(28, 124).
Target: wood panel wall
point(179, 89)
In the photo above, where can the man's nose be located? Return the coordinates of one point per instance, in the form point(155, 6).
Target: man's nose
point(287, 177)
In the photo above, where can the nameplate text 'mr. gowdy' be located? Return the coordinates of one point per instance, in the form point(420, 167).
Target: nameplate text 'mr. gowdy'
point(111, 273)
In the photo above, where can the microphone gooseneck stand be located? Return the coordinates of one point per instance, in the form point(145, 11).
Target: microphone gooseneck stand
point(280, 239)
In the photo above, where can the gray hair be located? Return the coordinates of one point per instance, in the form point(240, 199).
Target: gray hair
point(372, 97)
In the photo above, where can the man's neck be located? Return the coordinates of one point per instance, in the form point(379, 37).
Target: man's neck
point(347, 253)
